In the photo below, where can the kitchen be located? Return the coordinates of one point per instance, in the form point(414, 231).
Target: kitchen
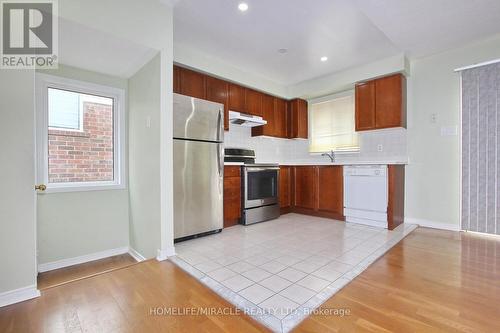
point(251, 166)
point(275, 177)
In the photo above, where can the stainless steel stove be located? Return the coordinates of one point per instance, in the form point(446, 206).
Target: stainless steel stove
point(259, 186)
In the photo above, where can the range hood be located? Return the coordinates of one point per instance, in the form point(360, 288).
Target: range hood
point(246, 120)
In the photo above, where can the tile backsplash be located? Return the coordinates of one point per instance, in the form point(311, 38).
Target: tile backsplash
point(276, 150)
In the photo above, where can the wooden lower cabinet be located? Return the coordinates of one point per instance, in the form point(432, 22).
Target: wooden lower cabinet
point(285, 189)
point(232, 195)
point(313, 190)
point(319, 191)
point(396, 204)
point(305, 191)
point(331, 191)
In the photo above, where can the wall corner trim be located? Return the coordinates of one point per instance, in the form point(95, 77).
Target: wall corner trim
point(433, 224)
point(136, 255)
point(163, 254)
point(81, 259)
point(18, 295)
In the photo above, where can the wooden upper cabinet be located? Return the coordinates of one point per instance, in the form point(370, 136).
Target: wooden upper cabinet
point(253, 102)
point(365, 106)
point(218, 91)
point(177, 80)
point(299, 121)
point(236, 98)
point(268, 113)
point(192, 83)
point(280, 118)
point(331, 190)
point(305, 186)
point(381, 103)
point(389, 101)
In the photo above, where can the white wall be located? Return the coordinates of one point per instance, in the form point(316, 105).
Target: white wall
point(144, 159)
point(80, 223)
point(17, 176)
point(148, 23)
point(432, 178)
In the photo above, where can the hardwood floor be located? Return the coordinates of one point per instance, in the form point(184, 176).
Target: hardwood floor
point(432, 281)
point(67, 274)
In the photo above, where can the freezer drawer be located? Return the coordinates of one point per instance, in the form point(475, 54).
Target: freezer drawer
point(198, 187)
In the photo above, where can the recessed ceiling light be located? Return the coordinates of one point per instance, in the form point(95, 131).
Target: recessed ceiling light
point(324, 59)
point(243, 6)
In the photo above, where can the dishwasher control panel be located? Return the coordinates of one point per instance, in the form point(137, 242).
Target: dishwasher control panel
point(365, 170)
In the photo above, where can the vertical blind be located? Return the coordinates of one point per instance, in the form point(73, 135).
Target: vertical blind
point(332, 125)
point(481, 149)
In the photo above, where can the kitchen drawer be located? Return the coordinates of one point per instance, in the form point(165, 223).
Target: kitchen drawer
point(232, 171)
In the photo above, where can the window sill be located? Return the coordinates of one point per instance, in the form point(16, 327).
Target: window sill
point(85, 187)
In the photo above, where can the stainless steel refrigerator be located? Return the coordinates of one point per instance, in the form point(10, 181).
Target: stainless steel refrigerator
point(198, 166)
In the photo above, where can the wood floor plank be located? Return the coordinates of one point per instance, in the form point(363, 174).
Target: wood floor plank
point(67, 274)
point(432, 281)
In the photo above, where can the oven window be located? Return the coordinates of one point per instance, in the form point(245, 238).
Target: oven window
point(262, 184)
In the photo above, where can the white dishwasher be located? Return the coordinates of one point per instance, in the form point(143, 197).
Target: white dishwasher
point(365, 194)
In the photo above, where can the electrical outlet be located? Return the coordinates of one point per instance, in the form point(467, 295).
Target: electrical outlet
point(433, 118)
point(380, 147)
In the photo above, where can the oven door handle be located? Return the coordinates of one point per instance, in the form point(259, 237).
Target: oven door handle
point(257, 169)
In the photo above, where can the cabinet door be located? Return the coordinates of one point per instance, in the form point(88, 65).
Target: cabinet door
point(268, 113)
point(331, 190)
point(365, 106)
point(389, 101)
point(280, 118)
point(232, 195)
point(177, 80)
point(253, 102)
point(285, 187)
point(217, 91)
point(299, 123)
point(305, 182)
point(396, 202)
point(192, 83)
point(236, 98)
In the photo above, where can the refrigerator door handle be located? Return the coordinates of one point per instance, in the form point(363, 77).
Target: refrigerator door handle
point(220, 128)
point(220, 161)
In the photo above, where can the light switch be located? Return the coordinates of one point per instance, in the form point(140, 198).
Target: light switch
point(449, 130)
point(148, 122)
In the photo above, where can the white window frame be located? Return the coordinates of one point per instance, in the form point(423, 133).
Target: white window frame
point(45, 81)
point(309, 116)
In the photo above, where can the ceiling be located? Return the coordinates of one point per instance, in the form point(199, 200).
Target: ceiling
point(349, 32)
point(83, 47)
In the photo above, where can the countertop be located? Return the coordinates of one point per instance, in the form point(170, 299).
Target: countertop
point(292, 163)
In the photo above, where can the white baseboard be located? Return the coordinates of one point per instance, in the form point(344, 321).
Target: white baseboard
point(136, 255)
point(18, 295)
point(81, 259)
point(433, 224)
point(163, 254)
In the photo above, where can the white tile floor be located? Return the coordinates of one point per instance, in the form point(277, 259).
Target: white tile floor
point(278, 271)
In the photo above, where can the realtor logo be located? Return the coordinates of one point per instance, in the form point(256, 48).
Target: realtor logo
point(29, 34)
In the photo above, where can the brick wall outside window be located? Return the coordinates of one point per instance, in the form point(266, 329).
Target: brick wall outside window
point(83, 156)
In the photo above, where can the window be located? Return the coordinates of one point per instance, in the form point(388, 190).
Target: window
point(79, 135)
point(333, 124)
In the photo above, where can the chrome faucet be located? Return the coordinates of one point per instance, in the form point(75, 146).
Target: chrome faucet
point(331, 154)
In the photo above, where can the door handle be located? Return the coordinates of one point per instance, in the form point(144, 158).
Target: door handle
point(41, 187)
